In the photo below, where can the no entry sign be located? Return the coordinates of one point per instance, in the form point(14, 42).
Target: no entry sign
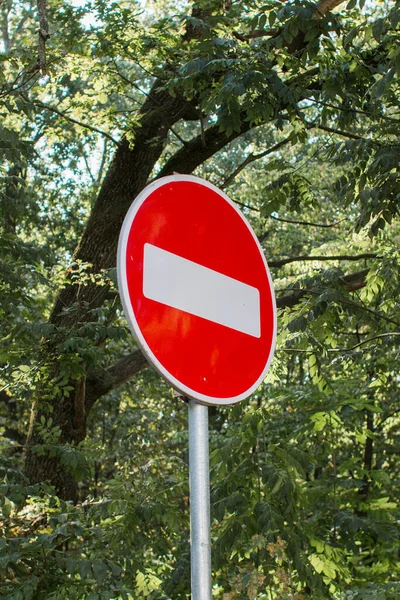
point(196, 290)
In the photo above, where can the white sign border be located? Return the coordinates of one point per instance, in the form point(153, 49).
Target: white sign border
point(130, 315)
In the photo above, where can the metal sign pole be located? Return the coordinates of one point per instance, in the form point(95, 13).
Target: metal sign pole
point(199, 478)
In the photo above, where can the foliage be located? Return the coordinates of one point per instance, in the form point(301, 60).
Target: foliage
point(294, 112)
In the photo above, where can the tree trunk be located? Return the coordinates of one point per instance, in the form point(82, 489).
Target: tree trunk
point(44, 464)
point(126, 177)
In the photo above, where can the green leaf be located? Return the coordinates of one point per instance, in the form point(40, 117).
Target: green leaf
point(271, 18)
point(350, 37)
point(71, 565)
point(99, 571)
point(262, 22)
point(84, 568)
point(378, 28)
point(7, 507)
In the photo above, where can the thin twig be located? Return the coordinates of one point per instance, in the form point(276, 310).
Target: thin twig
point(251, 158)
point(371, 311)
point(72, 120)
point(353, 110)
point(386, 417)
point(10, 90)
point(307, 223)
point(375, 337)
point(244, 205)
point(335, 350)
point(257, 33)
point(88, 166)
point(347, 279)
point(352, 136)
point(285, 261)
point(179, 137)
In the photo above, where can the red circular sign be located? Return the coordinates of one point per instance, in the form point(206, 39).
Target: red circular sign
point(196, 290)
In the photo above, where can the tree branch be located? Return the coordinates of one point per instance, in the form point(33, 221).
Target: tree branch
point(121, 371)
point(127, 175)
point(257, 33)
point(371, 339)
point(351, 349)
point(306, 223)
point(199, 149)
point(351, 282)
point(71, 119)
point(251, 158)
point(128, 366)
point(210, 141)
point(351, 136)
point(375, 313)
point(285, 261)
point(388, 416)
point(281, 219)
point(43, 35)
point(351, 110)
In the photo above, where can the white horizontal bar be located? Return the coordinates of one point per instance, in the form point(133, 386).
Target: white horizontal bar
point(200, 291)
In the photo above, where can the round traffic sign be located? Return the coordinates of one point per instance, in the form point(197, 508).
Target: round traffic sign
point(196, 290)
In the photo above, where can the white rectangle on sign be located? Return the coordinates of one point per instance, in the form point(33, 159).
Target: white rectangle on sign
point(200, 291)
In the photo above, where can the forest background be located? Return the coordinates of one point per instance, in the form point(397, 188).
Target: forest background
point(293, 109)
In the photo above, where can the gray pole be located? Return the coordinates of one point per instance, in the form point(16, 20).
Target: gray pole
point(199, 474)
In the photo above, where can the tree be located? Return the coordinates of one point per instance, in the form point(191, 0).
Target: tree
point(212, 83)
point(293, 109)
